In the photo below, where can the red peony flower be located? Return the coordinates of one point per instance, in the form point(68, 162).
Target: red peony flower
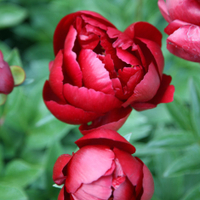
point(103, 168)
point(6, 78)
point(183, 17)
point(100, 73)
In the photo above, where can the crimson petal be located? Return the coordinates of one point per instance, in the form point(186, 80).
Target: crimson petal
point(89, 99)
point(95, 76)
point(88, 165)
point(65, 112)
point(185, 43)
point(100, 189)
point(61, 162)
point(71, 65)
point(107, 137)
point(147, 88)
point(112, 120)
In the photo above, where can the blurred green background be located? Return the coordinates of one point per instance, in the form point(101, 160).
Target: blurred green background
point(167, 138)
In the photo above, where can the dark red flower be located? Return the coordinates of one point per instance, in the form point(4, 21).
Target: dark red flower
point(103, 168)
point(6, 78)
point(100, 73)
point(183, 17)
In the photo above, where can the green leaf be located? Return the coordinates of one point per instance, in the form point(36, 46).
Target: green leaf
point(14, 58)
point(18, 74)
point(193, 194)
point(189, 163)
point(8, 192)
point(20, 173)
point(172, 139)
point(180, 113)
point(11, 15)
point(195, 107)
point(3, 98)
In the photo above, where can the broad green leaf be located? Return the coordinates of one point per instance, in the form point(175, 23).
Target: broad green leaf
point(180, 113)
point(195, 107)
point(136, 124)
point(11, 15)
point(162, 184)
point(193, 194)
point(20, 173)
point(8, 192)
point(3, 98)
point(45, 133)
point(188, 163)
point(172, 139)
point(14, 58)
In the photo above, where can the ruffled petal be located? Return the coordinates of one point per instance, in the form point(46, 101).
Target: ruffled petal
point(106, 137)
point(156, 54)
point(174, 25)
point(100, 189)
point(147, 88)
point(148, 184)
point(186, 10)
point(132, 168)
point(112, 120)
point(65, 112)
point(56, 76)
point(163, 9)
point(144, 30)
point(95, 76)
point(61, 162)
point(88, 165)
point(185, 43)
point(165, 94)
point(124, 191)
point(89, 99)
point(71, 66)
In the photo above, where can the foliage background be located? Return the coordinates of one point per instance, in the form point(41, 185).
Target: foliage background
point(167, 138)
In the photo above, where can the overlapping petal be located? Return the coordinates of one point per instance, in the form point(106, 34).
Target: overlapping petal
point(185, 43)
point(88, 165)
point(107, 137)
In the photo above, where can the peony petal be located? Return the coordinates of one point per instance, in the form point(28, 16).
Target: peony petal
point(164, 94)
point(61, 194)
point(163, 9)
point(6, 78)
point(65, 112)
point(174, 25)
point(107, 137)
point(112, 120)
point(185, 43)
point(61, 162)
point(148, 184)
point(147, 88)
point(100, 189)
point(62, 28)
point(144, 30)
point(127, 57)
point(56, 76)
point(187, 10)
point(156, 54)
point(137, 173)
point(88, 165)
point(71, 66)
point(95, 76)
point(90, 100)
point(124, 191)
